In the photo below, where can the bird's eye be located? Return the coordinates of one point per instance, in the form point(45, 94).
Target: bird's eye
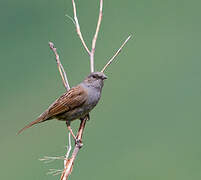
point(94, 76)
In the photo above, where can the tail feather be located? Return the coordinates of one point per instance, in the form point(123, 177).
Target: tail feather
point(40, 119)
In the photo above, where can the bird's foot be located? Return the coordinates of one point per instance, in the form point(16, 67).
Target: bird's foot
point(78, 142)
point(86, 116)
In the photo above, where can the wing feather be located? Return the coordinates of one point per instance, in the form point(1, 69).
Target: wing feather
point(75, 97)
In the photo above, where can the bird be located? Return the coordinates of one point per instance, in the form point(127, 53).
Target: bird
point(75, 103)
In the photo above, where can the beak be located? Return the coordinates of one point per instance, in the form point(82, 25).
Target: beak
point(104, 77)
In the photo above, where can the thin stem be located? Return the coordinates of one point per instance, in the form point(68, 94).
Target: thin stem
point(54, 172)
point(48, 159)
point(60, 67)
point(68, 148)
point(78, 28)
point(96, 36)
point(117, 52)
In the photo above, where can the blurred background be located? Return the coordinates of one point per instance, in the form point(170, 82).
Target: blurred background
point(147, 125)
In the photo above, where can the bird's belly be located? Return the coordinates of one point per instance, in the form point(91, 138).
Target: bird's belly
point(73, 114)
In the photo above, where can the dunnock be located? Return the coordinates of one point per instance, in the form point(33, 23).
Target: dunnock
point(76, 103)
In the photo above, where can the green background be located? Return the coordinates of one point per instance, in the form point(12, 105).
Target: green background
point(147, 125)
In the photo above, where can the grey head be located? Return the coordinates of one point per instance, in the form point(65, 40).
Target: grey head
point(95, 80)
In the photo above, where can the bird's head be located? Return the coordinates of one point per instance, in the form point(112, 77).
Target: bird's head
point(95, 79)
point(97, 75)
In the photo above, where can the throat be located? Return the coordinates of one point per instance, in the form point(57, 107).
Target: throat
point(98, 84)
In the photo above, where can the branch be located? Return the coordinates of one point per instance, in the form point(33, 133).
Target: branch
point(76, 22)
point(95, 36)
point(118, 51)
point(60, 67)
point(78, 28)
point(68, 164)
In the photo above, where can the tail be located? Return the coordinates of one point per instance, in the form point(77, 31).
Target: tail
point(41, 118)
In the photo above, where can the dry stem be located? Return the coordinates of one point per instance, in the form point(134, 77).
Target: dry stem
point(95, 36)
point(78, 28)
point(60, 67)
point(115, 55)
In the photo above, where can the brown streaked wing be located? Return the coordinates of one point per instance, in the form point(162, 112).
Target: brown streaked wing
point(73, 98)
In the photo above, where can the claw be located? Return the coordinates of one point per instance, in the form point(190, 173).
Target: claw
point(78, 142)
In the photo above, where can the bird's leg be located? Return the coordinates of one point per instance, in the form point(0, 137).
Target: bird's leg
point(81, 128)
point(71, 131)
point(88, 117)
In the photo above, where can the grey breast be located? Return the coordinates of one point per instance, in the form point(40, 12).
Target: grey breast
point(94, 95)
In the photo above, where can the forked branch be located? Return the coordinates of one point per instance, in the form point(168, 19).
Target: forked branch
point(90, 53)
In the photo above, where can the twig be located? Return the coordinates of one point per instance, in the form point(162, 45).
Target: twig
point(70, 18)
point(55, 172)
point(78, 28)
point(95, 36)
point(48, 159)
point(118, 51)
point(60, 67)
point(69, 147)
